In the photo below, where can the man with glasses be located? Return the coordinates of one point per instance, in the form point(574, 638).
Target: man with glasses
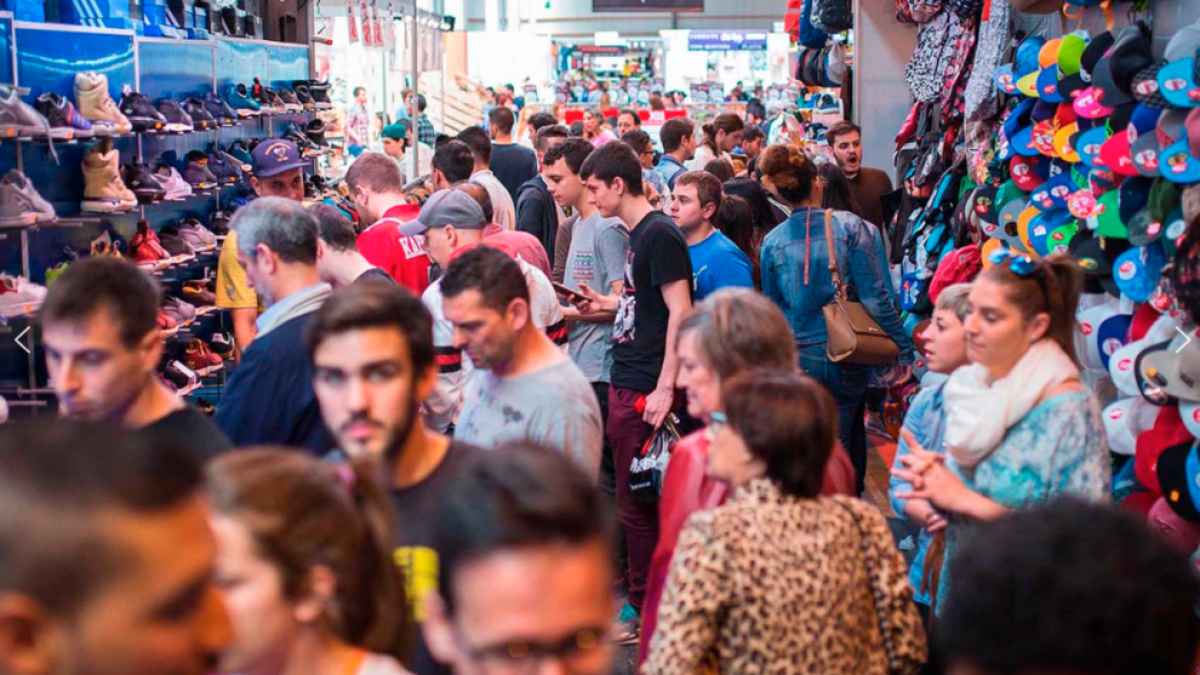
point(525, 568)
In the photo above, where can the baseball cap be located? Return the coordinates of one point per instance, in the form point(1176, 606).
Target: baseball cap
point(1029, 171)
point(1027, 63)
point(1088, 104)
point(1095, 50)
point(1116, 427)
point(1053, 193)
point(1003, 77)
point(447, 207)
point(1114, 72)
point(1104, 330)
point(1046, 83)
point(274, 156)
point(1179, 82)
point(396, 132)
point(1089, 144)
point(1180, 163)
point(1183, 44)
point(1176, 481)
point(1139, 270)
point(1022, 141)
point(1189, 412)
point(1107, 223)
point(1070, 52)
point(1168, 431)
point(1175, 370)
point(1184, 536)
point(1134, 195)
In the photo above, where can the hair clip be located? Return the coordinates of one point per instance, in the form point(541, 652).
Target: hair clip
point(1021, 265)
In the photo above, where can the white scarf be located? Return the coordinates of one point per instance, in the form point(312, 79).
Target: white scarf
point(980, 411)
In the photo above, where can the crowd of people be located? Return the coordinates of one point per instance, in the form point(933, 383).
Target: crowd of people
point(433, 454)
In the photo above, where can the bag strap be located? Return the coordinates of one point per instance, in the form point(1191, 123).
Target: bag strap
point(862, 539)
point(833, 267)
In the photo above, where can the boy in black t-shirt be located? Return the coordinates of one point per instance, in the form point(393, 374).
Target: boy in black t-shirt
point(650, 309)
point(374, 362)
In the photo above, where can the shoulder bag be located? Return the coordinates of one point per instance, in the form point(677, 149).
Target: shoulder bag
point(854, 335)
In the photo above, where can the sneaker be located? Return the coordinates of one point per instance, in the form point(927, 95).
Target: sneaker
point(198, 295)
point(65, 121)
point(219, 109)
point(276, 101)
point(320, 95)
point(826, 104)
point(265, 97)
point(304, 96)
point(144, 185)
point(315, 130)
point(221, 344)
point(19, 296)
point(290, 102)
point(104, 191)
point(178, 121)
point(179, 374)
point(196, 172)
point(202, 120)
point(181, 312)
point(105, 245)
point(180, 250)
point(146, 250)
point(222, 168)
point(191, 231)
point(239, 99)
point(95, 104)
point(172, 183)
point(199, 358)
point(20, 204)
point(140, 111)
point(627, 628)
point(241, 153)
point(218, 224)
point(17, 118)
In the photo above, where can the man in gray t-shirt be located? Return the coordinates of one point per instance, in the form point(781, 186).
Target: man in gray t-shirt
point(596, 258)
point(524, 387)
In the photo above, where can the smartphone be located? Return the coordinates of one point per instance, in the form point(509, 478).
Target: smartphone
point(567, 292)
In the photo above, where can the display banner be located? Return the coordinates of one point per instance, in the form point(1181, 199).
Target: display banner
point(727, 41)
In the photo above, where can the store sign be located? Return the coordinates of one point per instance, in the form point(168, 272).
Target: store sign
point(647, 5)
point(727, 41)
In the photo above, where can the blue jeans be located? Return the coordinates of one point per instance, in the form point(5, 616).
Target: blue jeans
point(848, 384)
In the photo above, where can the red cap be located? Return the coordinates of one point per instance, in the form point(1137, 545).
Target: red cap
point(1168, 431)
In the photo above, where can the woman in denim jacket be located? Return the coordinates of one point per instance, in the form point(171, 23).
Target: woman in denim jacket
point(795, 274)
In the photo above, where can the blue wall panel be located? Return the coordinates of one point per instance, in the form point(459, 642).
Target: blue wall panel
point(175, 69)
point(6, 45)
point(240, 61)
point(288, 63)
point(47, 59)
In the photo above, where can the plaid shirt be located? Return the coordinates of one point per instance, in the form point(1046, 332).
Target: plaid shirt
point(425, 131)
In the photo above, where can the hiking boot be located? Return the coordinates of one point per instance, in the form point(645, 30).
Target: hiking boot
point(201, 118)
point(173, 184)
point(320, 95)
point(65, 121)
point(290, 102)
point(220, 166)
point(304, 96)
point(20, 204)
point(104, 191)
point(17, 118)
point(140, 111)
point(178, 121)
point(219, 109)
point(95, 104)
point(239, 99)
point(316, 132)
point(144, 185)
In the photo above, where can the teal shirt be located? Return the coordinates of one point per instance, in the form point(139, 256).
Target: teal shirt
point(1058, 449)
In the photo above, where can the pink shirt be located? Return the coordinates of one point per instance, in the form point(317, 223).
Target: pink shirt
point(526, 245)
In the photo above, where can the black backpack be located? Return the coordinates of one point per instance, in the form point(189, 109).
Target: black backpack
point(832, 16)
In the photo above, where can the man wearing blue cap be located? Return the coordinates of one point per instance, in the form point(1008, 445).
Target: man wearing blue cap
point(278, 172)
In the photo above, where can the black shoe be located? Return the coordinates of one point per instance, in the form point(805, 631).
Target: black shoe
point(141, 113)
point(218, 224)
point(303, 95)
point(201, 118)
point(178, 121)
point(221, 168)
point(289, 101)
point(65, 122)
point(316, 132)
point(265, 97)
point(142, 183)
point(320, 94)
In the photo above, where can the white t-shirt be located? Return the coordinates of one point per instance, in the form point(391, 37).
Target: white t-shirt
point(502, 202)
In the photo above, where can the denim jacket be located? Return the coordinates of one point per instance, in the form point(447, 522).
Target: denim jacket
point(860, 261)
point(669, 168)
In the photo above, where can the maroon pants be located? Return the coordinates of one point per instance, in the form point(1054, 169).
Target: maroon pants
point(627, 433)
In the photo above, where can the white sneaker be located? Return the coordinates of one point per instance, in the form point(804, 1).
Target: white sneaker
point(95, 103)
point(170, 180)
point(19, 296)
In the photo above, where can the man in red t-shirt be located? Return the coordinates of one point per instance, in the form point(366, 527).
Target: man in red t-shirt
point(376, 183)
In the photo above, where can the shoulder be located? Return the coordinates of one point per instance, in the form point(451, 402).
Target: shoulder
point(877, 176)
point(1066, 408)
point(864, 515)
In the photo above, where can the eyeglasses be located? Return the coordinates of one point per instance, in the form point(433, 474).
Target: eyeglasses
point(581, 652)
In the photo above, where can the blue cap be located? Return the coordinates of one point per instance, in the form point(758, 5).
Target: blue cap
point(1053, 193)
point(1112, 334)
point(274, 156)
point(1047, 85)
point(1179, 83)
point(1088, 146)
point(1138, 271)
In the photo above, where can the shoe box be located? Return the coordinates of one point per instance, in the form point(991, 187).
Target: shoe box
point(25, 10)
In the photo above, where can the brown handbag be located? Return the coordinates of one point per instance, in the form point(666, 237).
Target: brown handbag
point(854, 335)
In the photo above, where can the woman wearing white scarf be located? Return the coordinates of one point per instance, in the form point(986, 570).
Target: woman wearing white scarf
point(1020, 426)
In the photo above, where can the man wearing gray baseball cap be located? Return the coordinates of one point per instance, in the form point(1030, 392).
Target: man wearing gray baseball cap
point(449, 220)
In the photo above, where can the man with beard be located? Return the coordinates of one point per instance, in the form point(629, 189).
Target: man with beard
point(868, 186)
point(103, 347)
point(373, 359)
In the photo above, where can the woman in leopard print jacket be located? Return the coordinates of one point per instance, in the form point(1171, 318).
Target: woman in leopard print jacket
point(780, 580)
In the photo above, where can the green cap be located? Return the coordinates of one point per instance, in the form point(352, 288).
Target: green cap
point(1069, 53)
point(396, 132)
point(1108, 223)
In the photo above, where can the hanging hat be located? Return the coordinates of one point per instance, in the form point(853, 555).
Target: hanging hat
point(1179, 82)
point(1182, 45)
point(1095, 50)
point(1148, 225)
point(1053, 193)
point(1114, 73)
point(1180, 163)
point(1116, 427)
point(1029, 172)
point(1139, 270)
point(1178, 472)
point(1027, 63)
point(1022, 142)
point(1134, 194)
point(1148, 150)
point(1046, 83)
point(1168, 431)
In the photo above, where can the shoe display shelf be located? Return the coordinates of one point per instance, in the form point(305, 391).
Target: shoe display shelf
point(38, 59)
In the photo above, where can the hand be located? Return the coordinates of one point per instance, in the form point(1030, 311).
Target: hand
point(590, 302)
point(935, 523)
point(931, 480)
point(658, 405)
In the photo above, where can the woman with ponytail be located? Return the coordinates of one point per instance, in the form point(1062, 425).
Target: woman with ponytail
point(1021, 428)
point(721, 136)
point(795, 274)
point(305, 564)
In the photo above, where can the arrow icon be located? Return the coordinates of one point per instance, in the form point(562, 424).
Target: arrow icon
point(21, 344)
point(1187, 339)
